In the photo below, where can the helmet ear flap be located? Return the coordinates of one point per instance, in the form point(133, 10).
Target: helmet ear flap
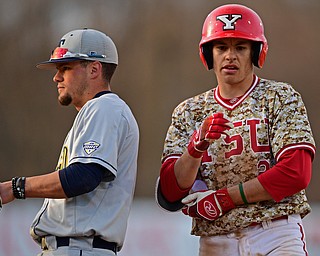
point(256, 50)
point(206, 55)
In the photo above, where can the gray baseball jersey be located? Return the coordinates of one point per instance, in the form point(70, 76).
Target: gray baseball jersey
point(262, 118)
point(104, 132)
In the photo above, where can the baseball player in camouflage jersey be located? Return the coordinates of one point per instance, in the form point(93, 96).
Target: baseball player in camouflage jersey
point(89, 196)
point(238, 158)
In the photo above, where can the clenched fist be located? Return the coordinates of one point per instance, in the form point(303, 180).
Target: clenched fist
point(211, 129)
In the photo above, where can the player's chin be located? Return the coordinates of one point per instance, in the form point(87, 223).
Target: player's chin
point(231, 79)
point(65, 100)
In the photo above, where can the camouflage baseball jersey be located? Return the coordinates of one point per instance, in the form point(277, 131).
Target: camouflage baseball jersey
point(268, 120)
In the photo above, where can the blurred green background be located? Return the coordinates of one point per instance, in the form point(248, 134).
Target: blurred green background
point(159, 66)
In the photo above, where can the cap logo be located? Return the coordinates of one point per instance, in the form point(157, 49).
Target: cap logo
point(62, 41)
point(229, 20)
point(59, 53)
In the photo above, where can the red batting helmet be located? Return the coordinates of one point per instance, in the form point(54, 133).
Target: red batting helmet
point(233, 21)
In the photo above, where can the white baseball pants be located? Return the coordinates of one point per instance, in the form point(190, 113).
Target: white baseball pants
point(272, 238)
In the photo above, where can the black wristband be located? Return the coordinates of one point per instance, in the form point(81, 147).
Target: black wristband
point(18, 187)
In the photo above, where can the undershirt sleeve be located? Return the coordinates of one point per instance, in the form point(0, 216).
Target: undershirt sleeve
point(289, 176)
point(79, 178)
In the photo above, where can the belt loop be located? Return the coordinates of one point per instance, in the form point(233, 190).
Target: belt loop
point(266, 224)
point(48, 243)
point(294, 218)
point(44, 244)
point(81, 242)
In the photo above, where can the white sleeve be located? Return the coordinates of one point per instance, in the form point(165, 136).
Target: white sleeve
point(95, 136)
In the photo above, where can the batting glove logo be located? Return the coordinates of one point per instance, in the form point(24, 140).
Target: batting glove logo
point(210, 209)
point(90, 146)
point(207, 204)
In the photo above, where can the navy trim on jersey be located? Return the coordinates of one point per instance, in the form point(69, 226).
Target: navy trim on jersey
point(82, 157)
point(101, 93)
point(80, 178)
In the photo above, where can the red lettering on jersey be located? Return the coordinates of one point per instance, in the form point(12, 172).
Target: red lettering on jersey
point(263, 165)
point(253, 137)
point(237, 140)
point(238, 145)
point(206, 158)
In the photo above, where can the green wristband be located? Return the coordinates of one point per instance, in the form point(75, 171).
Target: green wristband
point(243, 196)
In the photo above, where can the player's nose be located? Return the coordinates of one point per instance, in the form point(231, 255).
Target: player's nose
point(231, 54)
point(57, 77)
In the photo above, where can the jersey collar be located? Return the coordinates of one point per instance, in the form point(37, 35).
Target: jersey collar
point(101, 93)
point(230, 106)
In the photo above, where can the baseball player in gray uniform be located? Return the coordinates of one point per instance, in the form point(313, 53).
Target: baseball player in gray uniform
point(88, 197)
point(238, 157)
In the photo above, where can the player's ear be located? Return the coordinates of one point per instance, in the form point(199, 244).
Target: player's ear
point(95, 69)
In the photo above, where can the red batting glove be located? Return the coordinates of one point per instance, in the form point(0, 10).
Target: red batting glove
point(209, 205)
point(211, 129)
point(197, 147)
point(214, 126)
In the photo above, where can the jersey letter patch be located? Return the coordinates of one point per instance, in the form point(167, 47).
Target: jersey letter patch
point(90, 146)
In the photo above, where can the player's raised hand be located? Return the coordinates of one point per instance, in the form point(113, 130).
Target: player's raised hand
point(208, 205)
point(212, 128)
